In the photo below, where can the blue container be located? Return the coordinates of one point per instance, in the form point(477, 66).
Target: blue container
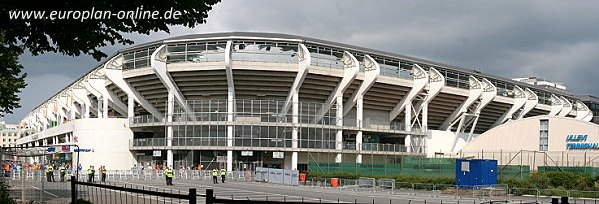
point(470, 173)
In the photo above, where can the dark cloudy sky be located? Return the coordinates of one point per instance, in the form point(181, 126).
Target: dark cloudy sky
point(558, 40)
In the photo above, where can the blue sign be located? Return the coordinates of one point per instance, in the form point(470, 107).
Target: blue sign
point(83, 150)
point(577, 137)
point(51, 149)
point(582, 146)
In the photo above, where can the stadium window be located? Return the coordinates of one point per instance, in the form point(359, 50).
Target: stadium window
point(544, 135)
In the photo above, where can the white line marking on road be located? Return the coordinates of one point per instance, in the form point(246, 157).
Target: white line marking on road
point(52, 194)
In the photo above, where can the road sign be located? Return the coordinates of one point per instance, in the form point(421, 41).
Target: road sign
point(51, 149)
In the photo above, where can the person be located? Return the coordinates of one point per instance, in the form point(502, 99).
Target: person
point(214, 176)
point(90, 174)
point(50, 173)
point(6, 168)
point(103, 172)
point(168, 172)
point(223, 174)
point(63, 172)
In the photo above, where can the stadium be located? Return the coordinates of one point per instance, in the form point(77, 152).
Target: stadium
point(244, 100)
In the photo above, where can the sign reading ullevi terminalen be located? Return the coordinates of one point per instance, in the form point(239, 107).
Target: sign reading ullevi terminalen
point(582, 146)
point(579, 142)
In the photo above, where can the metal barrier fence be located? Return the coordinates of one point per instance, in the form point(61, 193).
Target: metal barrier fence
point(121, 193)
point(131, 175)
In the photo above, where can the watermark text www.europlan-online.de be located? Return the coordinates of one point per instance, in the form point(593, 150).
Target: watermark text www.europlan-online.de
point(93, 14)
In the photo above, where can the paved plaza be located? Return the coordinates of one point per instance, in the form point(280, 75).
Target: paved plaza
point(59, 192)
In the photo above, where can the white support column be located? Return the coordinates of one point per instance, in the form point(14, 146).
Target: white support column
point(351, 68)
point(419, 81)
point(556, 105)
point(567, 107)
point(339, 134)
point(295, 131)
point(474, 94)
point(169, 128)
point(532, 101)
point(408, 126)
point(104, 107)
point(230, 103)
point(425, 116)
point(130, 106)
point(519, 101)
point(158, 63)
point(303, 67)
point(359, 123)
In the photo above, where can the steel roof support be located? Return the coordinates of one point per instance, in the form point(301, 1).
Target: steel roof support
point(567, 107)
point(158, 64)
point(474, 94)
point(519, 101)
point(108, 96)
point(80, 95)
point(420, 79)
point(556, 105)
point(101, 100)
point(436, 83)
point(351, 68)
point(532, 101)
point(583, 112)
point(114, 73)
point(489, 93)
point(371, 73)
point(303, 68)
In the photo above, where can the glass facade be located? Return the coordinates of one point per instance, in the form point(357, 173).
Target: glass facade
point(258, 123)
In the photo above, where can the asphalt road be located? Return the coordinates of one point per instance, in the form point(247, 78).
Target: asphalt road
point(60, 192)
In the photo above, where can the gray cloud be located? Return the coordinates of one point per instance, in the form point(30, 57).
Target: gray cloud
point(553, 39)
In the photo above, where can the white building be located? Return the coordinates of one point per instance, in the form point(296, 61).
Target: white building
point(241, 100)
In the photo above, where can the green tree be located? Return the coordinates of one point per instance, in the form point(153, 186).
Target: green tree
point(74, 37)
point(11, 79)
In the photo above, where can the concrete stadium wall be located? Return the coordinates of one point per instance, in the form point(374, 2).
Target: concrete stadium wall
point(524, 135)
point(109, 141)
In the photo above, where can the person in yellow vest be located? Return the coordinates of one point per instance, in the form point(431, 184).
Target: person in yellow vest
point(63, 171)
point(214, 176)
point(50, 173)
point(168, 172)
point(103, 172)
point(90, 174)
point(223, 174)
